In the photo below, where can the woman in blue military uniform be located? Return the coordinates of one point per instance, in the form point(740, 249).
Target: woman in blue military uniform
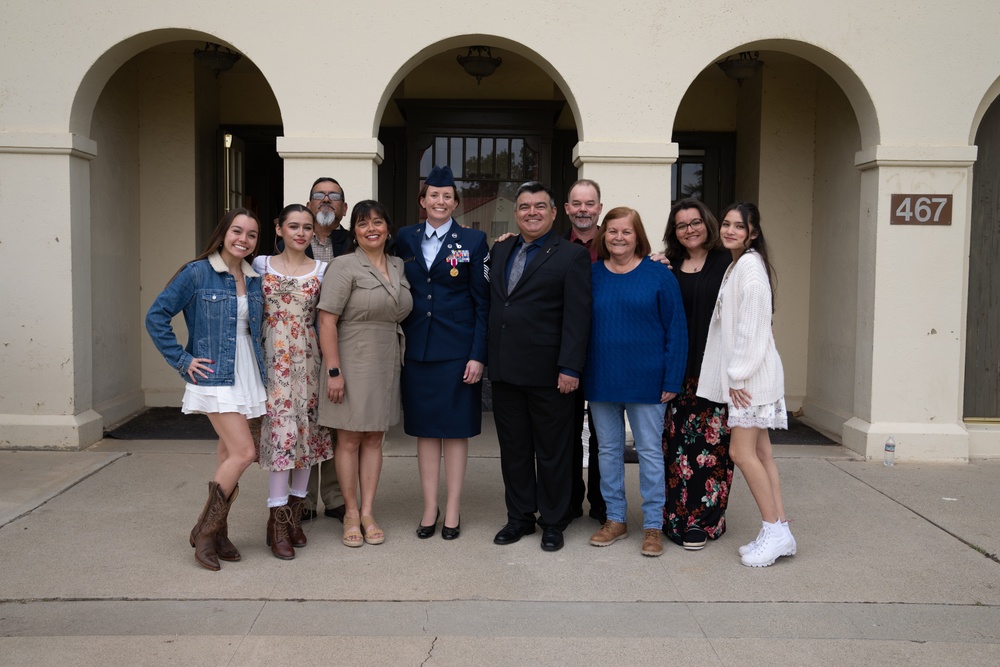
point(445, 265)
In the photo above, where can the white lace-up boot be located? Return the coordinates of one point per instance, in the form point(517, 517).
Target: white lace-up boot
point(749, 546)
point(788, 534)
point(772, 544)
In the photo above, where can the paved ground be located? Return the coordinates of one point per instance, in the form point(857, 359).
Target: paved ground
point(895, 566)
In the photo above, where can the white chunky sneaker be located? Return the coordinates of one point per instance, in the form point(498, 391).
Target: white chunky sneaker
point(773, 544)
point(749, 546)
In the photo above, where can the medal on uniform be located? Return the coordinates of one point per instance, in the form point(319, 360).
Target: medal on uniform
point(453, 260)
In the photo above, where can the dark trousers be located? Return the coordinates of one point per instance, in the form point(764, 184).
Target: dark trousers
point(592, 490)
point(535, 430)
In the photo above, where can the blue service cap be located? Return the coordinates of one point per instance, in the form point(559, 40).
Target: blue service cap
point(440, 177)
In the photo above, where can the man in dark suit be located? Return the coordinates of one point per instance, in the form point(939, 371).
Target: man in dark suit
point(538, 330)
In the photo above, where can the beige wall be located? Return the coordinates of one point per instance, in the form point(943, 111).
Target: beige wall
point(167, 198)
point(833, 292)
point(114, 233)
point(709, 104)
point(828, 65)
point(787, 159)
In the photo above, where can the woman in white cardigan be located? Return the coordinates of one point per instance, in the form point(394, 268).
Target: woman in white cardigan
point(741, 367)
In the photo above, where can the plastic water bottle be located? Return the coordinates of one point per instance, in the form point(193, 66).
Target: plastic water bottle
point(890, 452)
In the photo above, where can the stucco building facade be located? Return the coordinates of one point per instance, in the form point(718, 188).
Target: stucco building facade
point(119, 150)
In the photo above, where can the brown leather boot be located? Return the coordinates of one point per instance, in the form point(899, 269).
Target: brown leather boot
point(295, 533)
point(209, 524)
point(225, 549)
point(277, 533)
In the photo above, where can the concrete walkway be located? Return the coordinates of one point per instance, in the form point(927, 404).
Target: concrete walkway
point(895, 566)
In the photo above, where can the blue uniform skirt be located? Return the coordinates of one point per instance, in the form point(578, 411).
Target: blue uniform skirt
point(437, 404)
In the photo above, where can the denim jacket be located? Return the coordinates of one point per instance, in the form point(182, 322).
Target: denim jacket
point(206, 292)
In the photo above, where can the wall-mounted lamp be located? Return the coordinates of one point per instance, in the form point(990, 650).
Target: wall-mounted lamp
point(742, 66)
point(479, 65)
point(216, 58)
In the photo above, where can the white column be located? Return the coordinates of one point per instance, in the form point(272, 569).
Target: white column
point(911, 307)
point(636, 175)
point(45, 333)
point(353, 162)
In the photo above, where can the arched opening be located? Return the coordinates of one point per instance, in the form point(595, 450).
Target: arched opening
point(514, 125)
point(178, 145)
point(982, 342)
point(786, 139)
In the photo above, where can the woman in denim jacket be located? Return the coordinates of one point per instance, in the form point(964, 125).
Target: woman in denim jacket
point(222, 363)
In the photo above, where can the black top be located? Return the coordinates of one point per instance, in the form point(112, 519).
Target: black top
point(699, 292)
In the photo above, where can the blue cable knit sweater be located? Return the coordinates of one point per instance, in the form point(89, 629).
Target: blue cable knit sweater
point(638, 335)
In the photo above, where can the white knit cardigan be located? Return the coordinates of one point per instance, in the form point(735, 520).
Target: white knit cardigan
point(740, 351)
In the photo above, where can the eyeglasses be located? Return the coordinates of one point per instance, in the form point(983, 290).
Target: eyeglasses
point(320, 196)
point(694, 224)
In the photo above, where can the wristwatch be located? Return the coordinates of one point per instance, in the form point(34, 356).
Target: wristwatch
point(334, 372)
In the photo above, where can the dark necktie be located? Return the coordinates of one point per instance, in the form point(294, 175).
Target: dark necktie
point(517, 268)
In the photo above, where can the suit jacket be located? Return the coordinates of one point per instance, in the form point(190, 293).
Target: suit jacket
point(449, 314)
point(544, 324)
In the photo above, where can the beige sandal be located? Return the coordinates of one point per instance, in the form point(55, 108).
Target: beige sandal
point(352, 532)
point(373, 534)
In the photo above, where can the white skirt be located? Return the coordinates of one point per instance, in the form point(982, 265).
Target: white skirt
point(772, 415)
point(246, 396)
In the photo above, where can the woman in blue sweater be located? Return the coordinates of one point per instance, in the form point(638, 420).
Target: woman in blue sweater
point(635, 365)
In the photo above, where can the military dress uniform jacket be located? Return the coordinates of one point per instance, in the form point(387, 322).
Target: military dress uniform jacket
point(451, 300)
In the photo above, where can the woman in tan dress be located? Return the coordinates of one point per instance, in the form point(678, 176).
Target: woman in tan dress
point(365, 296)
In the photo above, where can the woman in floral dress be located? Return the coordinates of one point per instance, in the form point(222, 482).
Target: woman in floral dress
point(695, 435)
point(291, 437)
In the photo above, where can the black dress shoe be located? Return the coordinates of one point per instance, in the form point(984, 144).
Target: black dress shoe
point(308, 514)
point(335, 513)
point(552, 539)
point(452, 533)
point(512, 532)
point(423, 532)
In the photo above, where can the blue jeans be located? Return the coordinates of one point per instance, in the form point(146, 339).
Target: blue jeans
point(647, 428)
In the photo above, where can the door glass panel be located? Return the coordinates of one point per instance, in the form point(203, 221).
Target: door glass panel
point(455, 157)
point(426, 162)
point(488, 159)
point(692, 180)
point(472, 157)
point(440, 151)
point(516, 160)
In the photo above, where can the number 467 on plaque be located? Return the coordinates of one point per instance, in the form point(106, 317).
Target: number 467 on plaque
point(920, 210)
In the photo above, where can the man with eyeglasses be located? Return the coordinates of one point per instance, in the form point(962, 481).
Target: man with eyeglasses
point(583, 208)
point(328, 206)
point(539, 325)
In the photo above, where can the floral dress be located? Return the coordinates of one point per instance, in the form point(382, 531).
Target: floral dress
point(291, 436)
point(695, 432)
point(700, 472)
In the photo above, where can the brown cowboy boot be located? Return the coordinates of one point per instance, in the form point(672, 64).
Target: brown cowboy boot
point(225, 549)
point(209, 523)
point(295, 533)
point(277, 533)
